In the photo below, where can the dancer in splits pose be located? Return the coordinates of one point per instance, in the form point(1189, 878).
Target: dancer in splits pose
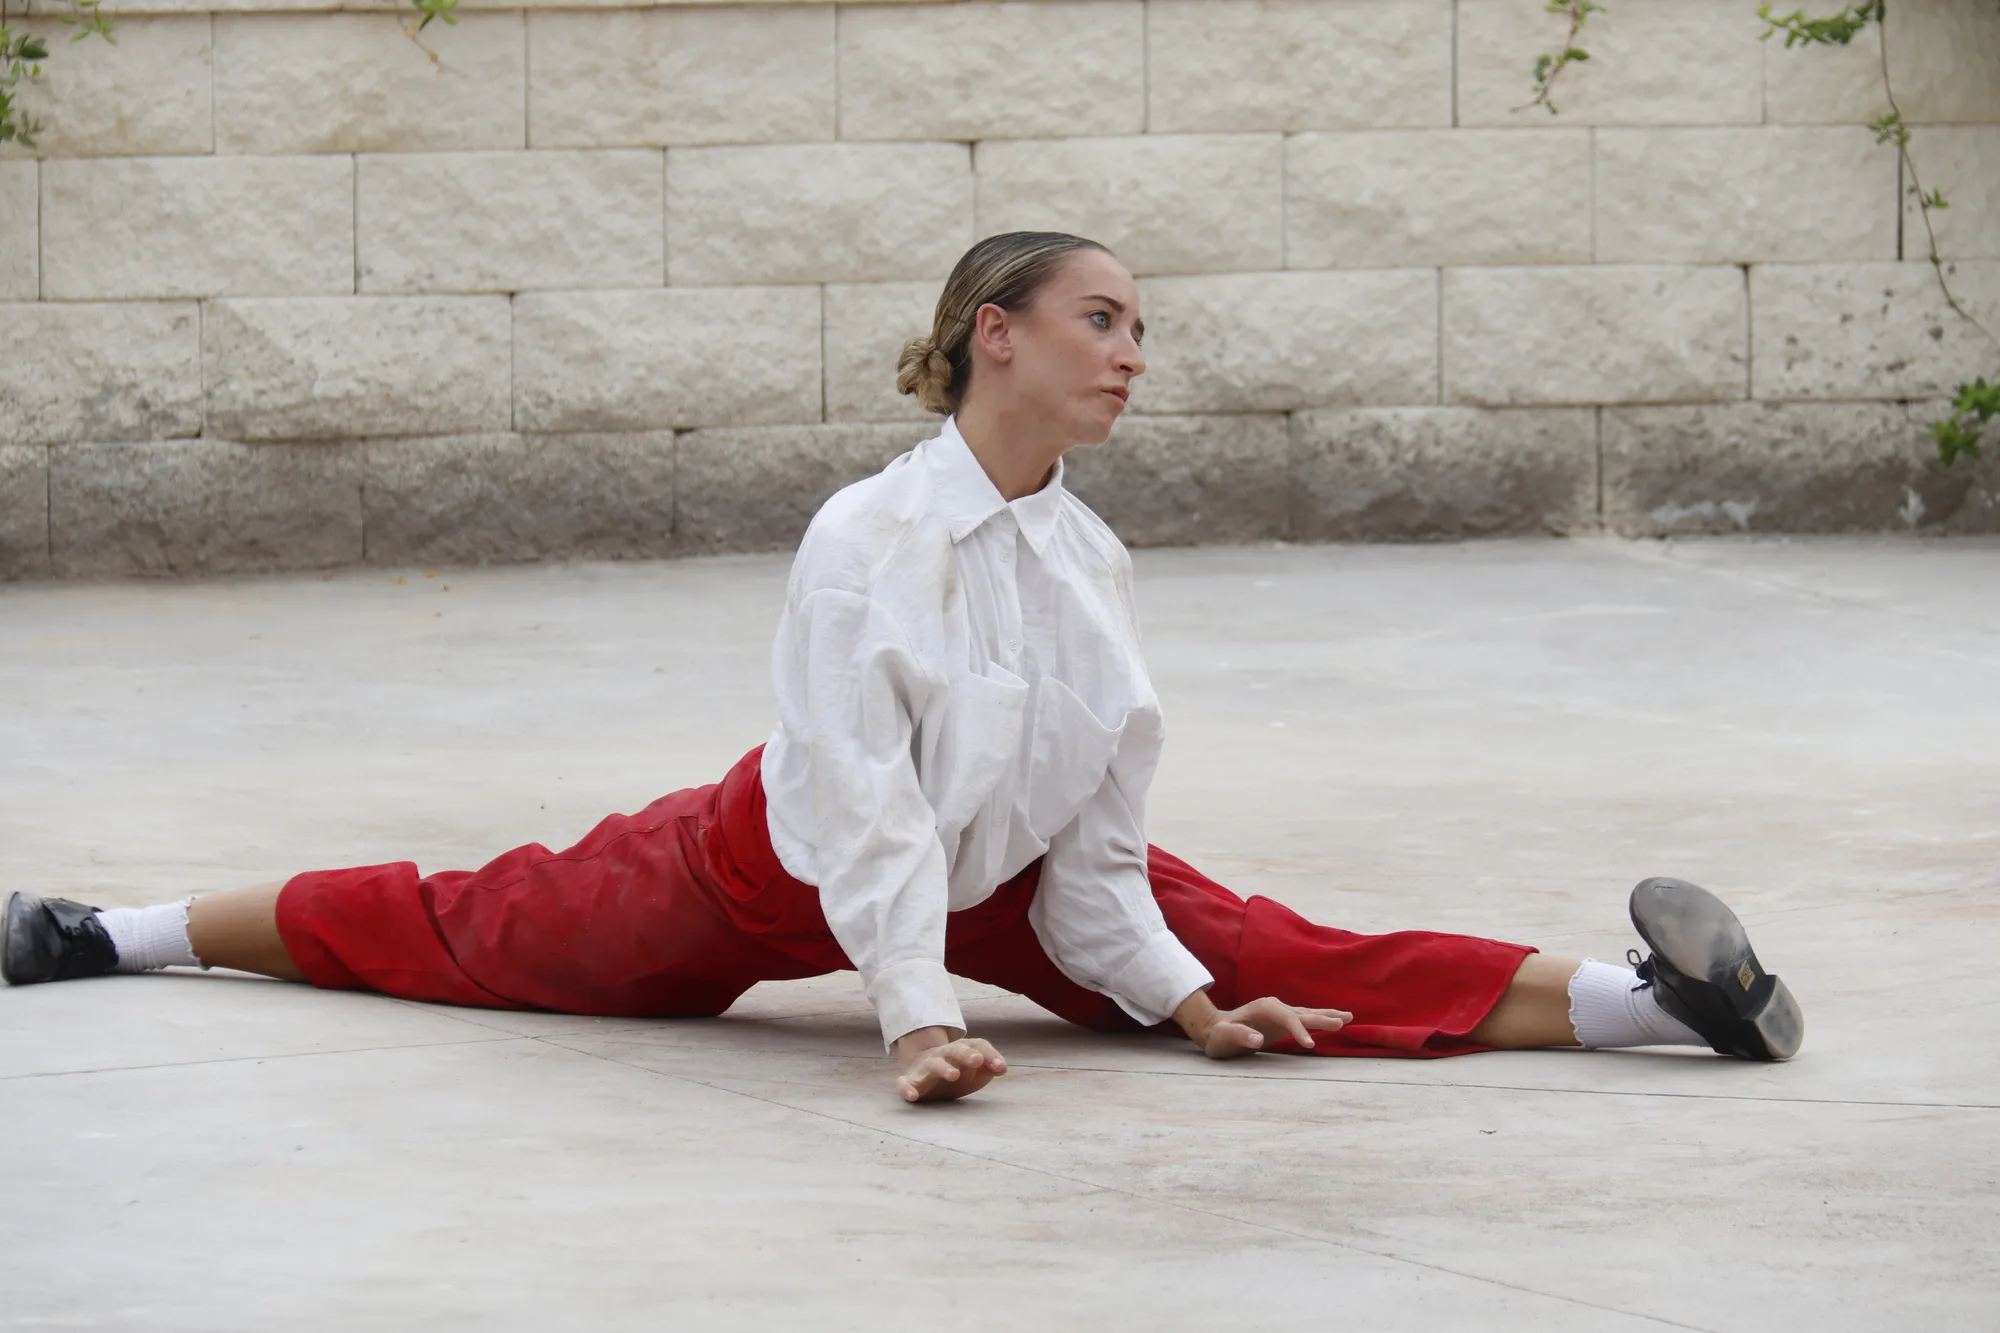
point(956, 784)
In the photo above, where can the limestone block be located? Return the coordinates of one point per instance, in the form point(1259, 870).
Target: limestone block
point(20, 232)
point(1406, 197)
point(147, 92)
point(1298, 64)
point(992, 71)
point(510, 221)
point(739, 74)
point(1167, 203)
point(1963, 162)
point(1869, 330)
point(125, 370)
point(862, 333)
point(355, 83)
point(1605, 334)
point(1944, 60)
point(1277, 342)
point(647, 360)
point(124, 228)
point(335, 368)
point(1187, 481)
point(24, 511)
point(1709, 196)
point(1652, 62)
point(1824, 85)
point(836, 212)
point(201, 507)
point(1403, 473)
point(1785, 467)
point(756, 489)
point(473, 499)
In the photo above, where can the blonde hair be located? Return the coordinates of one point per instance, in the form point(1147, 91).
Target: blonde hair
point(1006, 270)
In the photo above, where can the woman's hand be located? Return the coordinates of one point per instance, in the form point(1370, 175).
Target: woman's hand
point(1223, 1033)
point(932, 1067)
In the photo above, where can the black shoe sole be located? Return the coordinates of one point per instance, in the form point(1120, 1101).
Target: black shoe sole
point(1742, 1009)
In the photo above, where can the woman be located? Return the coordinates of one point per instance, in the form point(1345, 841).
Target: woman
point(956, 784)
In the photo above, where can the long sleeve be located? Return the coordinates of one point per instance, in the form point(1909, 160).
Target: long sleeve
point(882, 872)
point(1094, 910)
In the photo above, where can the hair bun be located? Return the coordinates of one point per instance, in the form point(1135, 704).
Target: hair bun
point(925, 372)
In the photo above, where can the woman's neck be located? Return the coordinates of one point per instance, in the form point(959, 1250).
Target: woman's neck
point(1018, 454)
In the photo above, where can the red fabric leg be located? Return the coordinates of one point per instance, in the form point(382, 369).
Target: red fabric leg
point(648, 914)
point(1413, 993)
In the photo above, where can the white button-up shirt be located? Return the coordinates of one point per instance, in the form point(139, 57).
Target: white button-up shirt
point(960, 690)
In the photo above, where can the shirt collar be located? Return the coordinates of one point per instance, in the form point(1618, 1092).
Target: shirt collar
point(969, 496)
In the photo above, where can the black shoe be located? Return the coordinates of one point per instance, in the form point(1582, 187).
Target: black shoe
point(52, 939)
point(1704, 972)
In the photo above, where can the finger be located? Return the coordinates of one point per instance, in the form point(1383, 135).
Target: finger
point(994, 1060)
point(1235, 1036)
point(1326, 1020)
point(1295, 1026)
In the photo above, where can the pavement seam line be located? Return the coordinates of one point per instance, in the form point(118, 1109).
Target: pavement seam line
point(253, 1059)
point(1308, 1237)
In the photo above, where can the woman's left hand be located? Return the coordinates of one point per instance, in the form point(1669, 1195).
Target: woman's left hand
point(1224, 1033)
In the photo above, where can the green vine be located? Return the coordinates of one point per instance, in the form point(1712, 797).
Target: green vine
point(22, 54)
point(1958, 435)
point(21, 57)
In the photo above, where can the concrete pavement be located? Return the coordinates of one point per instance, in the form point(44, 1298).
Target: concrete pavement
point(1497, 738)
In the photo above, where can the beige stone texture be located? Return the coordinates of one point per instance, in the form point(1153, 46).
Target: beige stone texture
point(1652, 62)
point(1786, 467)
point(1298, 64)
point(1167, 203)
point(756, 489)
point(1607, 334)
point(638, 360)
point(1382, 198)
point(978, 70)
point(477, 499)
point(1278, 342)
point(20, 231)
point(1721, 196)
point(133, 228)
point(356, 83)
point(836, 212)
point(735, 74)
point(1963, 163)
point(862, 334)
point(1944, 60)
point(202, 507)
point(1870, 330)
point(146, 92)
point(1187, 481)
point(126, 370)
point(510, 221)
point(24, 511)
point(1824, 85)
point(340, 367)
point(1416, 473)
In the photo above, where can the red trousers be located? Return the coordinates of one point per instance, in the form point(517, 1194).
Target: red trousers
point(680, 908)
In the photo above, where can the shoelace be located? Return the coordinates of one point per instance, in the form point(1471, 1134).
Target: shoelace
point(1643, 968)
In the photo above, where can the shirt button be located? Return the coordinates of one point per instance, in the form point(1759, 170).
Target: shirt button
point(1006, 553)
point(1013, 645)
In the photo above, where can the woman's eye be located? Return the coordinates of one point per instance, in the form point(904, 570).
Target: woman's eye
point(1099, 314)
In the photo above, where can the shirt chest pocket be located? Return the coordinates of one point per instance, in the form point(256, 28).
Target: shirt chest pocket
point(1069, 752)
point(975, 742)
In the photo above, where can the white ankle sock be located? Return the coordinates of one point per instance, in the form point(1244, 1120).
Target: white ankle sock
point(150, 937)
point(1606, 1011)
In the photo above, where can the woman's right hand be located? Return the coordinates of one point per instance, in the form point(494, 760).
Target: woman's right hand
point(933, 1067)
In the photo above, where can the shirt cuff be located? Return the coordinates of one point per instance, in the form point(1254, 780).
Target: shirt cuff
point(1153, 984)
point(913, 995)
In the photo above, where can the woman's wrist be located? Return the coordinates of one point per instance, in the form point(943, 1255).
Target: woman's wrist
point(1196, 1016)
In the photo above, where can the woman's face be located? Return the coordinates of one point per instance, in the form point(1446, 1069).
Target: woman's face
point(1076, 348)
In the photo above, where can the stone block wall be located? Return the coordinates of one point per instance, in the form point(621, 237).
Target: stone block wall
point(283, 287)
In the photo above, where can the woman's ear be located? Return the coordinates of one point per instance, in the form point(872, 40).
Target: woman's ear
point(993, 333)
